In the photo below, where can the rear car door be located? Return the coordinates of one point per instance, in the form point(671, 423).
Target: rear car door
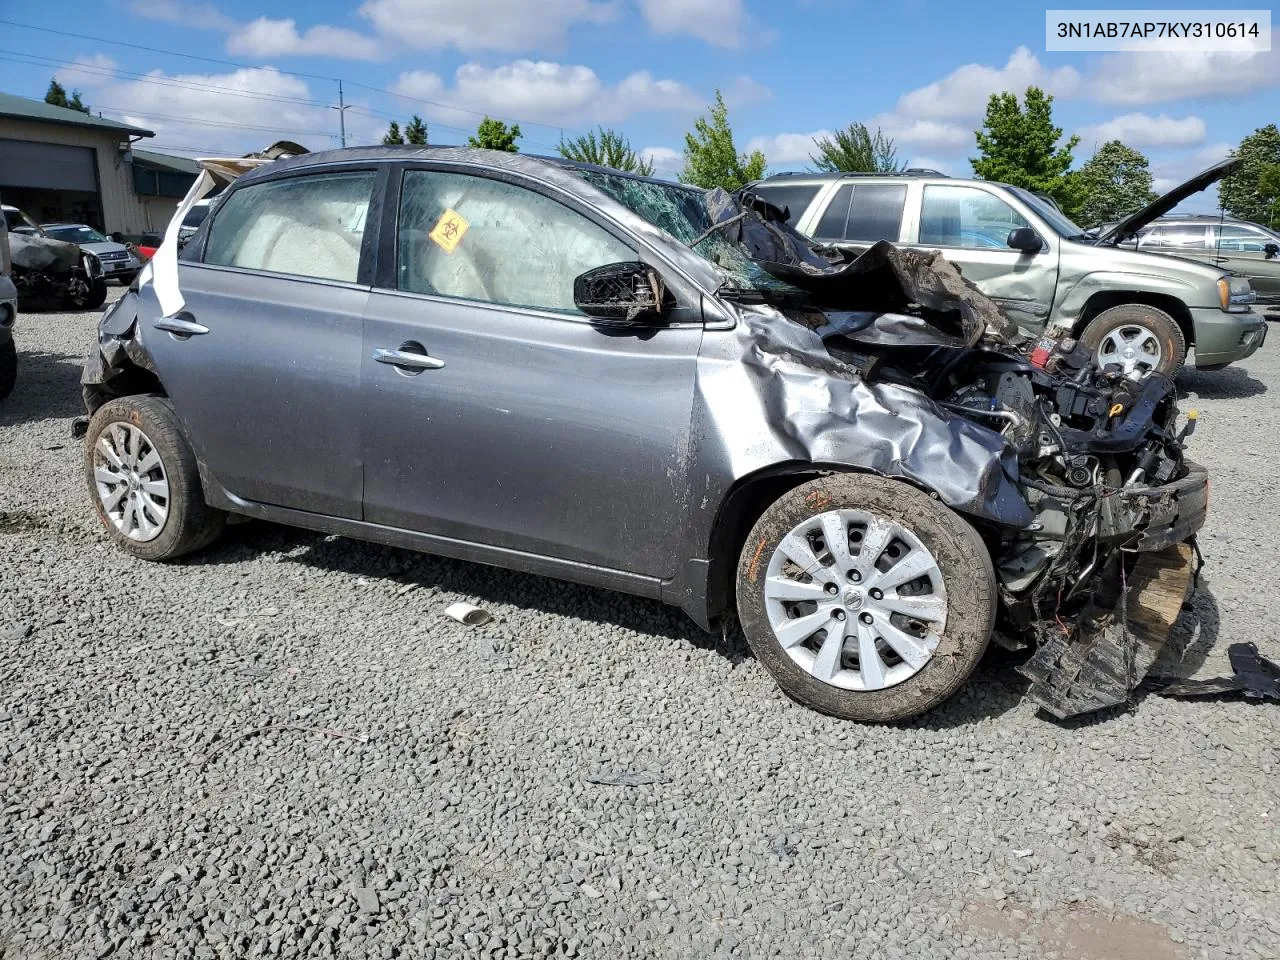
point(1244, 249)
point(518, 422)
point(971, 226)
point(263, 362)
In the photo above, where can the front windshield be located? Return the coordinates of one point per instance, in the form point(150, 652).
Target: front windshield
point(76, 234)
point(682, 212)
point(1057, 220)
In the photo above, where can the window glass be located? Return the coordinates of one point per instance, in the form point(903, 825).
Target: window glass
point(831, 226)
point(308, 226)
point(953, 216)
point(876, 212)
point(76, 234)
point(1240, 239)
point(479, 239)
point(1185, 237)
point(795, 198)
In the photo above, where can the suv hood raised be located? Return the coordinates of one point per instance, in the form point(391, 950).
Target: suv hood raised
point(1163, 204)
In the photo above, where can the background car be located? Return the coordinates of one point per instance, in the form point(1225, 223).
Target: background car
point(8, 319)
point(118, 261)
point(1138, 309)
point(49, 272)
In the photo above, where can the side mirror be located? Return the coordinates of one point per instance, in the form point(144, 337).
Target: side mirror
point(628, 292)
point(1272, 250)
point(1024, 240)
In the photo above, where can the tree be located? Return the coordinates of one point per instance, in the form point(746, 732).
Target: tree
point(393, 134)
point(710, 157)
point(1269, 186)
point(1112, 184)
point(1019, 146)
point(415, 132)
point(1250, 193)
point(495, 135)
point(609, 149)
point(854, 150)
point(57, 95)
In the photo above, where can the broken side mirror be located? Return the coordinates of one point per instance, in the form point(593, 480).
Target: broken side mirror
point(628, 292)
point(1271, 250)
point(1024, 240)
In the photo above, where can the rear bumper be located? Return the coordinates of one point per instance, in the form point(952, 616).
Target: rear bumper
point(1223, 338)
point(1153, 518)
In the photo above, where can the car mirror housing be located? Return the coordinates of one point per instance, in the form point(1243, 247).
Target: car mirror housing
point(1024, 239)
point(627, 292)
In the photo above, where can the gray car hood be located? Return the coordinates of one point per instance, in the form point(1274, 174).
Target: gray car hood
point(104, 246)
point(1163, 204)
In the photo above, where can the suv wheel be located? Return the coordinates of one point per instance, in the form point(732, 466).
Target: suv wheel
point(865, 598)
point(144, 481)
point(87, 294)
point(1139, 338)
point(8, 367)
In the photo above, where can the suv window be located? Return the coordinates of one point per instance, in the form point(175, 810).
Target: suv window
point(836, 216)
point(1241, 239)
point(876, 211)
point(1183, 236)
point(955, 216)
point(794, 197)
point(308, 226)
point(488, 240)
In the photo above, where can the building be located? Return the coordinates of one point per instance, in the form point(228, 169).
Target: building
point(61, 164)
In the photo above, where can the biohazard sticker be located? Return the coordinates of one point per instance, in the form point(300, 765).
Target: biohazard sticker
point(449, 230)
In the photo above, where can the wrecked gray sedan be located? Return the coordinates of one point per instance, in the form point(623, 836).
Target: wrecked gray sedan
point(645, 387)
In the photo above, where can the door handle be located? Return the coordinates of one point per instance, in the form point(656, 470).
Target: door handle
point(407, 359)
point(181, 325)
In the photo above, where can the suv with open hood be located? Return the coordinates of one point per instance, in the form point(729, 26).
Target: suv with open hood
point(1135, 309)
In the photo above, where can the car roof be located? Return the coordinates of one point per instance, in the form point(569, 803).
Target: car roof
point(63, 223)
point(819, 176)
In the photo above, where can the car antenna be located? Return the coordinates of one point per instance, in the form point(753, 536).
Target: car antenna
point(1222, 216)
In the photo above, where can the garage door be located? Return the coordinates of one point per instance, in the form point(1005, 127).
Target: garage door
point(47, 166)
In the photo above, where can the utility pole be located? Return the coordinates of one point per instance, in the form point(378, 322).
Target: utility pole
point(342, 115)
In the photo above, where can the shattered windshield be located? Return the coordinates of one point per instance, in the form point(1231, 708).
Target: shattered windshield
point(681, 211)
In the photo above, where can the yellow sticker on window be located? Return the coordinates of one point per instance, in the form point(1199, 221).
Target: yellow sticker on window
point(449, 230)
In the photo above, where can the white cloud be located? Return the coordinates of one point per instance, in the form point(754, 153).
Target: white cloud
point(928, 163)
point(273, 38)
point(666, 161)
point(742, 91)
point(505, 25)
point(1173, 168)
point(1160, 77)
point(718, 22)
point(555, 94)
point(1144, 130)
point(202, 16)
point(787, 149)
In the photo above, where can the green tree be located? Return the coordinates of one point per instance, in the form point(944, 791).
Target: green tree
point(710, 157)
point(1250, 193)
point(1113, 183)
point(415, 132)
point(393, 134)
point(495, 135)
point(855, 150)
point(1269, 186)
point(57, 95)
point(609, 149)
point(1019, 146)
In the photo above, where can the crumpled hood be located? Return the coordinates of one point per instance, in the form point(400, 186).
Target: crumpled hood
point(33, 252)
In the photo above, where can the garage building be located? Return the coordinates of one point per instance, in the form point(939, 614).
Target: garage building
point(59, 164)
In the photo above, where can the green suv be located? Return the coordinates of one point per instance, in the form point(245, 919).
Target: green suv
point(1139, 310)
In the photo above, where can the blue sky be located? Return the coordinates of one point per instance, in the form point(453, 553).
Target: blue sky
point(920, 70)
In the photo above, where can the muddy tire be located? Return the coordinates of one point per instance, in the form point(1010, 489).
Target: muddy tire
point(8, 367)
point(1140, 338)
point(912, 593)
point(143, 480)
point(90, 298)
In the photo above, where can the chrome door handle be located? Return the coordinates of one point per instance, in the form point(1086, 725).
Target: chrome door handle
point(404, 358)
point(181, 325)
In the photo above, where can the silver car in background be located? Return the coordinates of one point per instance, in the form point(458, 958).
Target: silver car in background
point(118, 261)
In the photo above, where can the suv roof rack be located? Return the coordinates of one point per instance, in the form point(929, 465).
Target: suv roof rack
point(840, 174)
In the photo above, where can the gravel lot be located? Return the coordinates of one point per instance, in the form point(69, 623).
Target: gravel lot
point(280, 748)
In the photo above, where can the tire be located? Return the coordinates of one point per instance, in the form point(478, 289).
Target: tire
point(8, 367)
point(92, 299)
point(126, 279)
point(188, 523)
point(967, 598)
point(1140, 324)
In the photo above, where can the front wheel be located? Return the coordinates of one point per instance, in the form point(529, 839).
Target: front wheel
point(87, 294)
point(1137, 338)
point(865, 598)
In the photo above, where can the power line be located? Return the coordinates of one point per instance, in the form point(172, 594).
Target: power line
point(214, 123)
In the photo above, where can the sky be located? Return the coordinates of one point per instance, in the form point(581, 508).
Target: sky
point(789, 70)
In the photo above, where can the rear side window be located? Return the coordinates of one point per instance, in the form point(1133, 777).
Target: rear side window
point(832, 224)
point(795, 198)
point(310, 226)
point(1182, 237)
point(1242, 239)
point(876, 212)
point(966, 217)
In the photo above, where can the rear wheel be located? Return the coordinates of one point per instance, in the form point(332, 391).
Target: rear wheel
point(1137, 338)
point(865, 598)
point(144, 482)
point(8, 367)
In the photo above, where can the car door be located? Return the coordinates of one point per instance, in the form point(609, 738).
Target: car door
point(1251, 252)
point(498, 413)
point(971, 226)
point(263, 362)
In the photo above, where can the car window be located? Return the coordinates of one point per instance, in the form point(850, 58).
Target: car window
point(831, 225)
point(196, 215)
point(76, 234)
point(876, 211)
point(794, 197)
point(497, 242)
point(309, 226)
point(1239, 239)
point(954, 216)
point(1184, 237)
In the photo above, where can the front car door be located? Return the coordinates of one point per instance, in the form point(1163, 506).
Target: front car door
point(263, 362)
point(529, 427)
point(971, 225)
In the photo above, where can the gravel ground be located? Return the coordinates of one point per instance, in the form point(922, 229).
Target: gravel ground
point(281, 748)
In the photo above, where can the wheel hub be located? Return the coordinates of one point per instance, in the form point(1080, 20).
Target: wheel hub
point(131, 482)
point(853, 599)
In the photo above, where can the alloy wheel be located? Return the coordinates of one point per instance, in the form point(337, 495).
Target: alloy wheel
point(131, 482)
point(1134, 348)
